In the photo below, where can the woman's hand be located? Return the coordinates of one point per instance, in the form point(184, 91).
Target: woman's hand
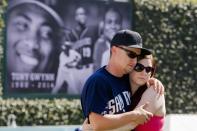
point(156, 84)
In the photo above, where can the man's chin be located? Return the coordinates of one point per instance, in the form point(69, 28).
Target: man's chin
point(129, 70)
point(26, 68)
point(31, 61)
point(27, 64)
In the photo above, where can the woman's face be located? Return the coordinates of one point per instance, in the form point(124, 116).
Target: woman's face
point(140, 77)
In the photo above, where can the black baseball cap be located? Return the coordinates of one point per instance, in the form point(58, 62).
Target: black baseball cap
point(130, 39)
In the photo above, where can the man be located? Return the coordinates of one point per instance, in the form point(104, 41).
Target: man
point(82, 37)
point(69, 59)
point(112, 24)
point(32, 44)
point(105, 97)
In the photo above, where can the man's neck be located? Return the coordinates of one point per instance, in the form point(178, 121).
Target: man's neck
point(112, 69)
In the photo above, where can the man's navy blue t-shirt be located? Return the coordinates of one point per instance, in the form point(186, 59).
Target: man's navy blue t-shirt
point(104, 93)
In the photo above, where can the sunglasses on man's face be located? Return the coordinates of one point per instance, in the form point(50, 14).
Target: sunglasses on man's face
point(139, 68)
point(130, 53)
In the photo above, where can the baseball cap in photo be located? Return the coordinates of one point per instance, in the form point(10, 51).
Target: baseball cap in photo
point(130, 39)
point(15, 3)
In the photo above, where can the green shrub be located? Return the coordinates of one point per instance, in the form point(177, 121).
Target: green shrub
point(41, 112)
point(171, 30)
point(2, 9)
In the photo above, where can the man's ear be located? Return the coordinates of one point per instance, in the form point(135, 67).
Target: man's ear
point(113, 49)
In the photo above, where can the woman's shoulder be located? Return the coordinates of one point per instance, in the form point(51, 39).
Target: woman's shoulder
point(156, 101)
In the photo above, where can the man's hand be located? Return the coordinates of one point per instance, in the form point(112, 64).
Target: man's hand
point(86, 126)
point(156, 84)
point(143, 115)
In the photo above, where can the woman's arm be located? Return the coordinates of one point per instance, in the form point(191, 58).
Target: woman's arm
point(108, 122)
point(156, 102)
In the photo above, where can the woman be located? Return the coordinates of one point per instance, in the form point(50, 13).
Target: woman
point(142, 72)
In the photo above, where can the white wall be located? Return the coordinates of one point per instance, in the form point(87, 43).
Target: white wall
point(180, 122)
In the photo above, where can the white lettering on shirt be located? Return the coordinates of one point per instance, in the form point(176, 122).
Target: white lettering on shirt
point(118, 104)
point(127, 97)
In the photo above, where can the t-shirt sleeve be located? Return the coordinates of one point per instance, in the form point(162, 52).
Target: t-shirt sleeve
point(95, 96)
